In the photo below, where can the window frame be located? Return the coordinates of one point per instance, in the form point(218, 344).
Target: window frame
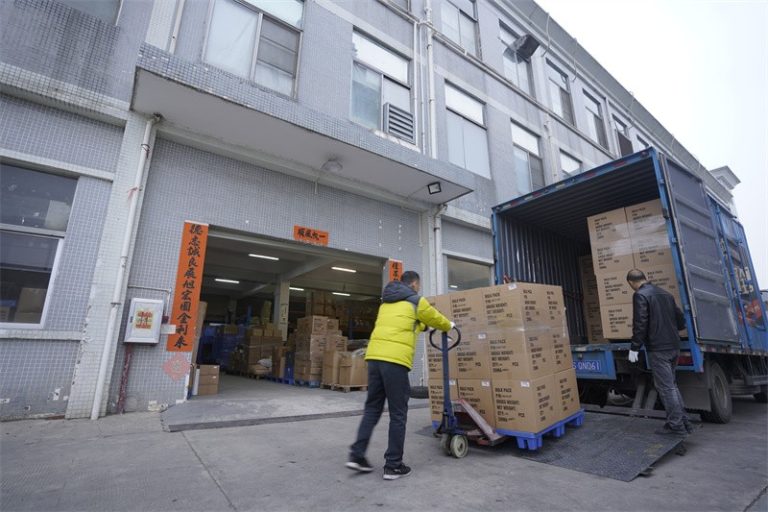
point(568, 155)
point(553, 69)
point(463, 116)
point(528, 65)
point(257, 42)
point(465, 258)
point(590, 99)
point(624, 132)
point(472, 18)
point(515, 144)
point(59, 236)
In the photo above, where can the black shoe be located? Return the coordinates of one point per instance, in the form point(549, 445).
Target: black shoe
point(395, 473)
point(359, 464)
point(666, 430)
point(689, 428)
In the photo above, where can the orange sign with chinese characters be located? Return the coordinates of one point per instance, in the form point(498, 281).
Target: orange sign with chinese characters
point(395, 269)
point(310, 235)
point(189, 280)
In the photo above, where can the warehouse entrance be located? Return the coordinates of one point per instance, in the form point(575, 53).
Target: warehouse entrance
point(270, 307)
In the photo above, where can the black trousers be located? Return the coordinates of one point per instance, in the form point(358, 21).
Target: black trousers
point(663, 364)
point(386, 381)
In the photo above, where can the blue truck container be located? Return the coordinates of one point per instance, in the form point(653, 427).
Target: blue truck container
point(539, 238)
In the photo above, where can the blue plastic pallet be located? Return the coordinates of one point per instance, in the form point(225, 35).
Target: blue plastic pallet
point(533, 441)
point(308, 383)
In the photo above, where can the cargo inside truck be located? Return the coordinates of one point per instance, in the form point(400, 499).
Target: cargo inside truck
point(247, 327)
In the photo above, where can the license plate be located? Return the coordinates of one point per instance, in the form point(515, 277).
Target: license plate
point(587, 366)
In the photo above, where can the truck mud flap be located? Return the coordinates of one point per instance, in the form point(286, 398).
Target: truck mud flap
point(606, 445)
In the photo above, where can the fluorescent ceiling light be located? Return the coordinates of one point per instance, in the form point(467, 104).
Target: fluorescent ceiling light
point(231, 281)
point(452, 286)
point(342, 269)
point(296, 289)
point(261, 256)
point(341, 294)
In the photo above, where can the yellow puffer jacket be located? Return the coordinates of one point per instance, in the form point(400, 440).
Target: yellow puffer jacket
point(402, 316)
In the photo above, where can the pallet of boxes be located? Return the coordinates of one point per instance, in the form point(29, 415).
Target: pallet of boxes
point(255, 356)
point(513, 365)
point(622, 240)
point(322, 357)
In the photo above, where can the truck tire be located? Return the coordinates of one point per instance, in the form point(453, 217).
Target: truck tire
point(719, 395)
point(762, 396)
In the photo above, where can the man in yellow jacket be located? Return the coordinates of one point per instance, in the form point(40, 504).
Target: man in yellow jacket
point(402, 316)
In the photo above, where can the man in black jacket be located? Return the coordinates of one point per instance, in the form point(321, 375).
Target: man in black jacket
point(656, 324)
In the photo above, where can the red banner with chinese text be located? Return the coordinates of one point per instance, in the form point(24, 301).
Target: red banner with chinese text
point(310, 235)
point(395, 269)
point(189, 280)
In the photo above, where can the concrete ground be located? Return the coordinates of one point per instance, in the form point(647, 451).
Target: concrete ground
point(130, 463)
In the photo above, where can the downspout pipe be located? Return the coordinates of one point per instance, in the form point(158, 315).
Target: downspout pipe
point(117, 292)
point(431, 82)
point(438, 227)
point(176, 26)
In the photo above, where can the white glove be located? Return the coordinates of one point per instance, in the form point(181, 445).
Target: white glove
point(453, 325)
point(633, 356)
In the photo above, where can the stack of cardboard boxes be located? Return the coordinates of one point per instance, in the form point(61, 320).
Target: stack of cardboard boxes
point(513, 364)
point(623, 239)
point(206, 379)
point(313, 335)
point(259, 344)
point(320, 303)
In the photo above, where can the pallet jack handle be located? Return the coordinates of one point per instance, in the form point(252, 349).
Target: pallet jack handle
point(449, 423)
point(445, 347)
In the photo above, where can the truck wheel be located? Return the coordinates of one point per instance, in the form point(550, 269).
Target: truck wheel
point(719, 395)
point(762, 396)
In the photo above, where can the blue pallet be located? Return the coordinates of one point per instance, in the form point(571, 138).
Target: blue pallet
point(308, 383)
point(280, 380)
point(535, 440)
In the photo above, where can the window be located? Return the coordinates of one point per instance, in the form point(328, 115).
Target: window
point(516, 69)
point(642, 142)
point(467, 139)
point(247, 42)
point(465, 275)
point(622, 137)
point(559, 93)
point(380, 77)
point(528, 166)
point(34, 213)
point(459, 23)
point(595, 124)
point(569, 165)
point(106, 10)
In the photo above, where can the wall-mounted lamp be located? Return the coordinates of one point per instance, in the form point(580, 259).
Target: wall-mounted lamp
point(434, 188)
point(332, 165)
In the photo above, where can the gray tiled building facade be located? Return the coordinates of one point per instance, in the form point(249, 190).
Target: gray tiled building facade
point(489, 98)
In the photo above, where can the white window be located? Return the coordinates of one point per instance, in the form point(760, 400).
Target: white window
point(467, 138)
point(569, 165)
point(595, 123)
point(559, 93)
point(34, 213)
point(528, 166)
point(622, 137)
point(516, 69)
point(379, 77)
point(460, 23)
point(249, 43)
point(466, 275)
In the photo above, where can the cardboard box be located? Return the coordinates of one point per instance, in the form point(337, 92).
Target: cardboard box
point(436, 397)
point(652, 251)
point(644, 218)
point(473, 356)
point(664, 277)
point(522, 306)
point(313, 324)
point(518, 355)
point(594, 323)
point(468, 310)
point(442, 303)
point(331, 360)
point(479, 394)
point(332, 325)
point(435, 364)
point(525, 405)
point(567, 394)
point(208, 369)
point(613, 256)
point(207, 389)
point(336, 342)
point(617, 321)
point(608, 226)
point(561, 351)
point(613, 288)
point(353, 370)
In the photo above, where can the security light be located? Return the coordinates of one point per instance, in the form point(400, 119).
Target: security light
point(434, 188)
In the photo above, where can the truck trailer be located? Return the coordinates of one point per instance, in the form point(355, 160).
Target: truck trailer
point(540, 237)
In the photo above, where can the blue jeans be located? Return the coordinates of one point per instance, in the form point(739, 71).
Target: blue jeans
point(386, 381)
point(663, 364)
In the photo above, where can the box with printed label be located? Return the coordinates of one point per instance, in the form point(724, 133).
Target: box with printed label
point(353, 370)
point(645, 218)
point(617, 321)
point(468, 309)
point(652, 251)
point(479, 394)
point(567, 393)
point(521, 354)
point(613, 288)
point(525, 405)
point(331, 359)
point(436, 404)
point(561, 351)
point(523, 305)
point(608, 226)
point(435, 362)
point(665, 277)
point(442, 303)
point(614, 256)
point(473, 356)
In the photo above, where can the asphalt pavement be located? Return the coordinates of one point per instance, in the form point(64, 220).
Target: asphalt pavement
point(130, 463)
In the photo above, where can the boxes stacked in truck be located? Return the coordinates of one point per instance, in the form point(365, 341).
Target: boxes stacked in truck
point(623, 239)
point(514, 349)
point(591, 301)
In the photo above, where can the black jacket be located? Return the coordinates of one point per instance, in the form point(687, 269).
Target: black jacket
point(656, 319)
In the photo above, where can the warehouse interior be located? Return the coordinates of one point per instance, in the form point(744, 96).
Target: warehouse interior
point(242, 280)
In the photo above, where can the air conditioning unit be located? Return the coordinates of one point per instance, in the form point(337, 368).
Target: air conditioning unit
point(399, 122)
point(525, 46)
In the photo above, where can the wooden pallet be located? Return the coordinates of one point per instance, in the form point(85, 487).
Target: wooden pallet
point(345, 389)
